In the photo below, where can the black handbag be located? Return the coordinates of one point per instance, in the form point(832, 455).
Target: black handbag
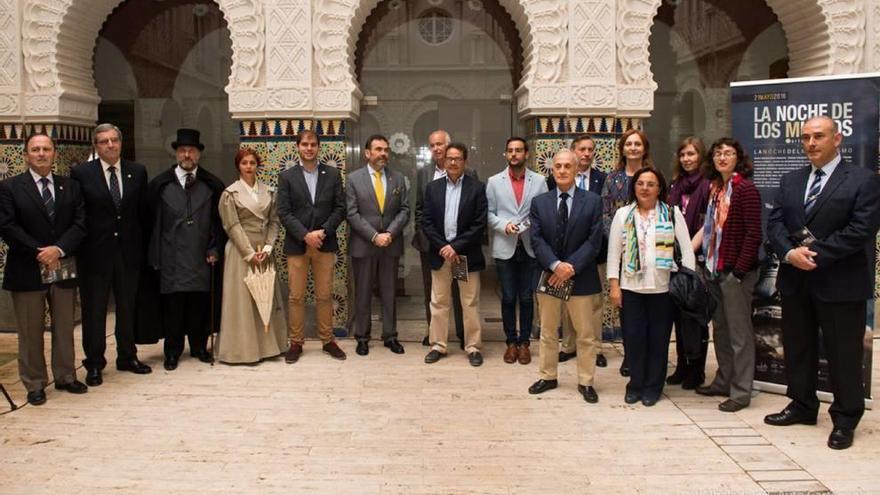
point(687, 289)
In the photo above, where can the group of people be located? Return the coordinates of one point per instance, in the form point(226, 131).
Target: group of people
point(167, 243)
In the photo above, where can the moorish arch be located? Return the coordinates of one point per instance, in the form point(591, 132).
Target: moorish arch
point(58, 43)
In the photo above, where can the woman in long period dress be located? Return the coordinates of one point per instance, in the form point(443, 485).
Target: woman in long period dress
point(247, 209)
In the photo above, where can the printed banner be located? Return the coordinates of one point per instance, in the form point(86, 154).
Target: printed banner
point(767, 120)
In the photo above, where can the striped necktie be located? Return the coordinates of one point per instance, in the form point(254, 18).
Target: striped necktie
point(815, 189)
point(48, 200)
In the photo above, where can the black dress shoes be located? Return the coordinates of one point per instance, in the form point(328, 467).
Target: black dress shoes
point(678, 377)
point(631, 397)
point(170, 363)
point(840, 438)
point(395, 346)
point(202, 355)
point(731, 405)
point(541, 386)
point(37, 397)
point(134, 366)
point(649, 401)
point(363, 348)
point(93, 377)
point(601, 361)
point(475, 358)
point(589, 394)
point(565, 356)
point(624, 369)
point(789, 417)
point(426, 342)
point(434, 356)
point(74, 387)
point(710, 391)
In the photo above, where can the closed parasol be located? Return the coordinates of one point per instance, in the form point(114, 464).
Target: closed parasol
point(260, 281)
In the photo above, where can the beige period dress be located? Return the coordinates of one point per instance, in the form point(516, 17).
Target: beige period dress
point(251, 223)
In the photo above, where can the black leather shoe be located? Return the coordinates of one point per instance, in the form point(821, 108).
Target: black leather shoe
point(461, 344)
point(475, 358)
point(789, 417)
point(395, 346)
point(649, 401)
point(840, 438)
point(565, 356)
point(589, 394)
point(74, 387)
point(93, 377)
point(426, 342)
point(170, 363)
point(631, 397)
point(202, 355)
point(434, 356)
point(624, 369)
point(730, 406)
point(37, 397)
point(710, 391)
point(541, 386)
point(363, 348)
point(135, 366)
point(676, 378)
point(601, 361)
point(692, 381)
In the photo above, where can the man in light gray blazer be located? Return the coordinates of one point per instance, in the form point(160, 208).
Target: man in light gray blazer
point(509, 194)
point(377, 208)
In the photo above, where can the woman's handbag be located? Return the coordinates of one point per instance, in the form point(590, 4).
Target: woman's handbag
point(687, 289)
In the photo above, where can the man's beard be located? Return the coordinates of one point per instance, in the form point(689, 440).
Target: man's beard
point(188, 165)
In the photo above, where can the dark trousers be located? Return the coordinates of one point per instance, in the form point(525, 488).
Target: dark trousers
point(843, 333)
point(186, 314)
point(457, 316)
point(95, 294)
point(647, 325)
point(517, 277)
point(367, 271)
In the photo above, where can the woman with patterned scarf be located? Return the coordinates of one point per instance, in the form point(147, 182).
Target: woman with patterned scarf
point(641, 243)
point(731, 237)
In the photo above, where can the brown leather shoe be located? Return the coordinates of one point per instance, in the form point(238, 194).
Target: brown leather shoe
point(510, 354)
point(525, 355)
point(334, 351)
point(293, 353)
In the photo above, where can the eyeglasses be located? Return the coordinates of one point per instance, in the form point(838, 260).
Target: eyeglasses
point(724, 154)
point(105, 142)
point(455, 160)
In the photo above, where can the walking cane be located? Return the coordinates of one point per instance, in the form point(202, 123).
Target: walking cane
point(8, 398)
point(213, 347)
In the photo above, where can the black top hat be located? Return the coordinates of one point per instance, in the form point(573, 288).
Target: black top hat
point(188, 137)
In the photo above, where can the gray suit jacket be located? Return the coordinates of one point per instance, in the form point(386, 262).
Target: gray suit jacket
point(503, 209)
point(362, 211)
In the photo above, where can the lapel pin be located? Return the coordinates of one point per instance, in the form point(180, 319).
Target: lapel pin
point(128, 176)
point(60, 188)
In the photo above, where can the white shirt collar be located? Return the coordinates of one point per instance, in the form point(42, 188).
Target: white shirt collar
point(106, 166)
point(181, 173)
point(37, 177)
point(829, 167)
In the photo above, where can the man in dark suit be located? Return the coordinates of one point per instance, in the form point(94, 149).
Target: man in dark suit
point(454, 220)
point(588, 178)
point(311, 205)
point(567, 236)
point(43, 221)
point(114, 191)
point(438, 141)
point(377, 203)
point(825, 283)
point(185, 246)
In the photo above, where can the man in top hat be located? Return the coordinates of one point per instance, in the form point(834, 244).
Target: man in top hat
point(43, 221)
point(185, 245)
point(114, 192)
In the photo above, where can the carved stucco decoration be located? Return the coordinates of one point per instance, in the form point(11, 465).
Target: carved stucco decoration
point(10, 48)
point(634, 19)
point(9, 104)
point(846, 24)
point(288, 27)
point(591, 47)
point(545, 41)
point(875, 36)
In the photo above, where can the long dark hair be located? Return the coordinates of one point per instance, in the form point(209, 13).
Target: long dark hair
point(744, 166)
point(699, 147)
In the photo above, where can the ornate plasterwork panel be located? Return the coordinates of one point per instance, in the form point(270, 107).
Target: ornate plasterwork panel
point(636, 86)
point(846, 21)
point(10, 59)
point(591, 41)
point(873, 31)
point(546, 43)
point(288, 43)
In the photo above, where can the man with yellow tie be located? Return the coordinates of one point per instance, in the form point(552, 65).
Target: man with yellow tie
point(377, 208)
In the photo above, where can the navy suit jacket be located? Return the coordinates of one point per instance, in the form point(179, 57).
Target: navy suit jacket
point(583, 237)
point(25, 226)
point(300, 215)
point(473, 213)
point(844, 221)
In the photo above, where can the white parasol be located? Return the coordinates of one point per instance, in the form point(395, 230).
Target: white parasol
point(261, 284)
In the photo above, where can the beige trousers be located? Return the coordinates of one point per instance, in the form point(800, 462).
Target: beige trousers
point(441, 302)
point(31, 358)
point(568, 338)
point(298, 275)
point(584, 311)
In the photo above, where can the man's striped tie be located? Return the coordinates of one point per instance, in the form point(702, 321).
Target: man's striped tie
point(815, 189)
point(48, 200)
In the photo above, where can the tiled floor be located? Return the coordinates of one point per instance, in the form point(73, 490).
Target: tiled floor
point(392, 424)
